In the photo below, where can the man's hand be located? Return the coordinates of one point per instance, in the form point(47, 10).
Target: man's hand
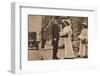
point(55, 39)
point(83, 41)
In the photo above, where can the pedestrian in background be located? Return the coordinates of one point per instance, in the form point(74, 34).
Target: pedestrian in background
point(83, 41)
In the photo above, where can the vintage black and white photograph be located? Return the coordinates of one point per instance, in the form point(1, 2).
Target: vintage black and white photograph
point(57, 37)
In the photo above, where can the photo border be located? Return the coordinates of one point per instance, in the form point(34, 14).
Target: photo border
point(16, 52)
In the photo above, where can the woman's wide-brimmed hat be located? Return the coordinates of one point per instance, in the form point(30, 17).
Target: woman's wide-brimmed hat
point(66, 22)
point(84, 24)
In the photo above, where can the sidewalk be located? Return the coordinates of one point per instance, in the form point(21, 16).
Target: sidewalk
point(46, 53)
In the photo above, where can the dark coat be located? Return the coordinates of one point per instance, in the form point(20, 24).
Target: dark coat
point(55, 33)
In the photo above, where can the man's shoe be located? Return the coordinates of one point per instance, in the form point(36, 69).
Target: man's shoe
point(56, 58)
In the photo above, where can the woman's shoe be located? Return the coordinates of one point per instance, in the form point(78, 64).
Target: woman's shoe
point(57, 58)
point(85, 56)
point(82, 56)
point(69, 58)
point(78, 56)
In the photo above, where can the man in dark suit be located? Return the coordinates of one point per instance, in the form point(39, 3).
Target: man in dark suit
point(55, 36)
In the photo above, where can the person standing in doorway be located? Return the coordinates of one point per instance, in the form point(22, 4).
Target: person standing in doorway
point(43, 37)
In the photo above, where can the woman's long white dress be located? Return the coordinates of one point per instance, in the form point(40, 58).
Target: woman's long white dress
point(82, 36)
point(68, 43)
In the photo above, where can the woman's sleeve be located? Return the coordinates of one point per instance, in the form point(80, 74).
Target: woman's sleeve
point(70, 30)
point(81, 36)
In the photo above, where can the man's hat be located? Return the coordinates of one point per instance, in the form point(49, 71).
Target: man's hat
point(56, 17)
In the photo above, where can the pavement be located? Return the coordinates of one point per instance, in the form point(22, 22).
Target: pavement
point(46, 53)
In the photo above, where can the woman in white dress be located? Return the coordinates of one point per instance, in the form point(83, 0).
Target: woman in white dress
point(83, 41)
point(66, 34)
